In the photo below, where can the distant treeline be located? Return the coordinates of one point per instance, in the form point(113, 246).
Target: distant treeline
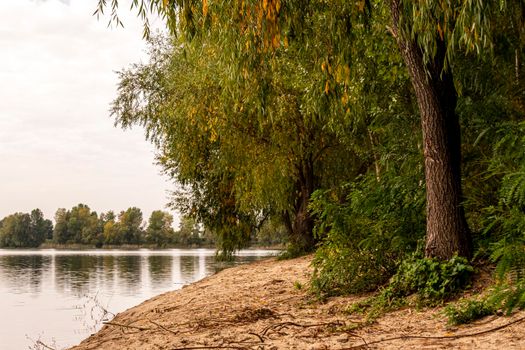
point(81, 225)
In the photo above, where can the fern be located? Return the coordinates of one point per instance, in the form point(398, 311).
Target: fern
point(512, 190)
point(506, 221)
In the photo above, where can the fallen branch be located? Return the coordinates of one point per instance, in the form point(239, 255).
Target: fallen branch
point(457, 336)
point(284, 324)
point(126, 326)
point(164, 328)
point(210, 347)
point(258, 336)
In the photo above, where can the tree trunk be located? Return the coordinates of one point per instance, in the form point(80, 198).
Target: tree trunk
point(300, 227)
point(447, 230)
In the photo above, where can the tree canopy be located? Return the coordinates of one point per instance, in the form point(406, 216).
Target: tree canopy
point(371, 130)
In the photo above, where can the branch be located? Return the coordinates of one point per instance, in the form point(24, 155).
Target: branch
point(126, 326)
point(210, 347)
point(44, 345)
point(438, 337)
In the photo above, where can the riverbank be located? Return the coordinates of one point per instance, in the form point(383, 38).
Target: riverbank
point(78, 246)
point(264, 305)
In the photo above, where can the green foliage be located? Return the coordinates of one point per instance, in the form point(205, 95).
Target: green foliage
point(189, 232)
point(433, 281)
point(363, 238)
point(159, 230)
point(316, 96)
point(21, 230)
point(467, 311)
point(429, 280)
point(130, 225)
point(504, 221)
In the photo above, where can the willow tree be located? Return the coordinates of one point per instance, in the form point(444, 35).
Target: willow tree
point(242, 149)
point(429, 35)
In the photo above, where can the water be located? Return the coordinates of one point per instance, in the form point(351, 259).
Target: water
point(60, 297)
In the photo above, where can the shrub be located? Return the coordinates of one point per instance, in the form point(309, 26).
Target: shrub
point(364, 236)
point(468, 311)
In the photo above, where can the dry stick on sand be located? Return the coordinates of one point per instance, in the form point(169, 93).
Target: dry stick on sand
point(127, 326)
point(457, 336)
point(211, 347)
point(284, 324)
point(164, 328)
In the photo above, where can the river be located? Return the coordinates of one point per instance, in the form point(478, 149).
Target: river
point(60, 297)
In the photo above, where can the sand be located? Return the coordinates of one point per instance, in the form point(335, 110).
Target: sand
point(265, 306)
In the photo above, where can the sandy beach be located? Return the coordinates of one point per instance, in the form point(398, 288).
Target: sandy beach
point(265, 305)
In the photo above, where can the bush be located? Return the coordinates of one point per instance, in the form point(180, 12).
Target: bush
point(468, 311)
point(431, 280)
point(364, 237)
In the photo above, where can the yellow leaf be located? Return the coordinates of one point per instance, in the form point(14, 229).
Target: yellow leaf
point(344, 98)
point(275, 41)
point(327, 88)
point(361, 5)
point(204, 7)
point(440, 31)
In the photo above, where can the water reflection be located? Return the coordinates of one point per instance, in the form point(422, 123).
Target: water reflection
point(23, 274)
point(128, 270)
point(160, 269)
point(63, 294)
point(75, 273)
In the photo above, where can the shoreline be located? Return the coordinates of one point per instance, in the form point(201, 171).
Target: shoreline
point(265, 305)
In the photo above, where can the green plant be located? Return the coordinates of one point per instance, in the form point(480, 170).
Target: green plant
point(362, 236)
point(467, 311)
point(430, 279)
point(298, 285)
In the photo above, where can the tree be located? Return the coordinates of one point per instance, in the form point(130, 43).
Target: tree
point(188, 232)
point(83, 226)
point(41, 228)
point(111, 232)
point(200, 117)
point(60, 232)
point(130, 226)
point(159, 230)
point(430, 36)
point(78, 225)
point(18, 230)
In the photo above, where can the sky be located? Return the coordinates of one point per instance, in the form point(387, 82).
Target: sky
point(58, 144)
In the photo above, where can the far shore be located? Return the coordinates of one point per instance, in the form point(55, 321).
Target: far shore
point(74, 246)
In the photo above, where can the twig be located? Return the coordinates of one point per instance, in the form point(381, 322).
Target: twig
point(284, 324)
point(258, 336)
point(457, 336)
point(44, 345)
point(210, 347)
point(164, 328)
point(126, 326)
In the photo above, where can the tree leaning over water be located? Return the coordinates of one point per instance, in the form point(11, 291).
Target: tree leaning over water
point(244, 150)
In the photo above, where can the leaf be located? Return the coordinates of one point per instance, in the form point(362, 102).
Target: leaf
point(204, 7)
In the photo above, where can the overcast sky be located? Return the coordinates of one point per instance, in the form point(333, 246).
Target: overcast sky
point(58, 145)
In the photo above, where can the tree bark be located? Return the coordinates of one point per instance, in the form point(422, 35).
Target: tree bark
point(447, 231)
point(300, 227)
